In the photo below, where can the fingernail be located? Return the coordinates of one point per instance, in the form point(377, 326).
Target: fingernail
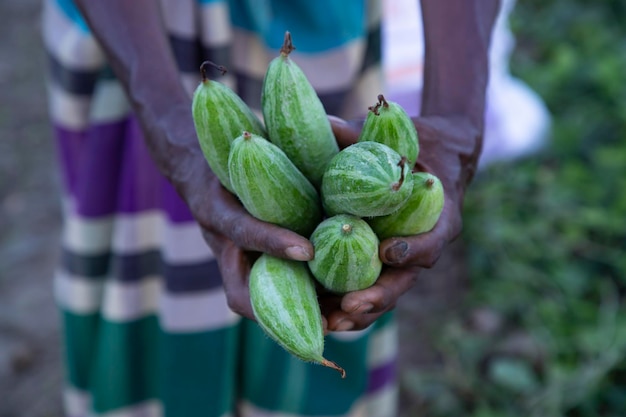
point(363, 308)
point(396, 252)
point(298, 253)
point(344, 325)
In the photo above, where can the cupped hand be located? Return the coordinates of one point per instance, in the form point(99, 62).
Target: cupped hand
point(235, 237)
point(448, 150)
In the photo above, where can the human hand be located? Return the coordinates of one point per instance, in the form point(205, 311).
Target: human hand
point(446, 150)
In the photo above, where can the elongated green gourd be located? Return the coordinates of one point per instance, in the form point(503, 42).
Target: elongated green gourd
point(295, 117)
point(285, 305)
point(366, 179)
point(270, 186)
point(220, 116)
point(419, 214)
point(387, 122)
point(346, 254)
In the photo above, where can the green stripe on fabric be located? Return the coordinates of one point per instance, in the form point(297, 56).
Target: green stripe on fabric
point(199, 371)
point(125, 370)
point(274, 380)
point(79, 337)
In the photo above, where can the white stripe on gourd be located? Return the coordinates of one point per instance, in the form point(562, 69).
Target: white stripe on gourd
point(270, 186)
point(284, 302)
point(295, 117)
point(220, 116)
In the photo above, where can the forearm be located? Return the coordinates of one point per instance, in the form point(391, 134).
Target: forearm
point(135, 42)
point(457, 34)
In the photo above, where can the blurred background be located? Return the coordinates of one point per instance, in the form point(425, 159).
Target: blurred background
point(523, 316)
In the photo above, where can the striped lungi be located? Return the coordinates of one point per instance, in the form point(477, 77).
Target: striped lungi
point(147, 330)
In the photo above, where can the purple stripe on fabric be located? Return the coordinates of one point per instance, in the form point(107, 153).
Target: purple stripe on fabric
point(108, 169)
point(382, 376)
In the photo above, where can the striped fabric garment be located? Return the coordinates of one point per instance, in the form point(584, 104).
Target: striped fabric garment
point(147, 330)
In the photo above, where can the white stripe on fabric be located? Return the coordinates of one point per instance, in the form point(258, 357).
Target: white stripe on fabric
point(150, 408)
point(68, 110)
point(85, 236)
point(252, 58)
point(67, 43)
point(199, 311)
point(139, 232)
point(248, 409)
point(179, 17)
point(383, 345)
point(109, 102)
point(78, 295)
point(180, 243)
point(381, 403)
point(216, 29)
point(127, 301)
point(76, 402)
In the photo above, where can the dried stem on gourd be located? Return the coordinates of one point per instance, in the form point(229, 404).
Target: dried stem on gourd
point(334, 366)
point(287, 47)
point(203, 69)
point(396, 186)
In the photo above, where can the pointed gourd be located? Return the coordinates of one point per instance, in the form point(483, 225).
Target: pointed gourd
point(271, 187)
point(419, 214)
point(220, 116)
point(387, 122)
point(366, 179)
point(346, 254)
point(285, 305)
point(295, 117)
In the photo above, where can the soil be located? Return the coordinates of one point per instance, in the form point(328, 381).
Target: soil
point(30, 222)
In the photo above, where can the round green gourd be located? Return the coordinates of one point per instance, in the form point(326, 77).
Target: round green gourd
point(285, 305)
point(346, 254)
point(220, 116)
point(366, 179)
point(419, 214)
point(270, 186)
point(387, 122)
point(295, 117)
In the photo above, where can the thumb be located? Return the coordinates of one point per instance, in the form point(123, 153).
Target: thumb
point(346, 133)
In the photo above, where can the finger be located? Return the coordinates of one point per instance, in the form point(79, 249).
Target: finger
point(229, 218)
point(346, 133)
point(235, 269)
point(423, 250)
point(361, 308)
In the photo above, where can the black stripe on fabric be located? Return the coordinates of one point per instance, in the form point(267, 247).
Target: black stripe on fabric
point(373, 49)
point(203, 275)
point(190, 53)
point(78, 82)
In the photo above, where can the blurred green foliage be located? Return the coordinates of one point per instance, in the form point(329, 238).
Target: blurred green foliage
point(546, 238)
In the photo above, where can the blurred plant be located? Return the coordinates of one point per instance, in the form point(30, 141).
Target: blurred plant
point(546, 239)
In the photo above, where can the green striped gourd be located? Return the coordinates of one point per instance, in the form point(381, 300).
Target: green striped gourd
point(270, 186)
point(346, 254)
point(419, 214)
point(285, 305)
point(366, 179)
point(387, 122)
point(295, 117)
point(220, 116)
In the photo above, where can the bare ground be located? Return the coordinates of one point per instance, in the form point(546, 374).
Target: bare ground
point(30, 349)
